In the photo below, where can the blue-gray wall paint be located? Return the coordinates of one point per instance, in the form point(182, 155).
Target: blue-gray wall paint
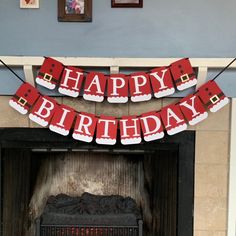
point(162, 28)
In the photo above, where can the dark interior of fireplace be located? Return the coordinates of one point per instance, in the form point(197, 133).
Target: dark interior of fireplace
point(156, 177)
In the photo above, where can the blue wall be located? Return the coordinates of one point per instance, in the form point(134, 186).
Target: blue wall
point(163, 28)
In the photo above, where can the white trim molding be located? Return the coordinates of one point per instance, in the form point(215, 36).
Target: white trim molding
point(232, 174)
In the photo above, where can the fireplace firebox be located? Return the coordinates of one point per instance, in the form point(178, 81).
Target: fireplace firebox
point(158, 177)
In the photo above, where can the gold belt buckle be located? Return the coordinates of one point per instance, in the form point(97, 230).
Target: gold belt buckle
point(184, 78)
point(214, 99)
point(47, 77)
point(22, 101)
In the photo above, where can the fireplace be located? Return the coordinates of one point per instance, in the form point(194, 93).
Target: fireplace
point(158, 176)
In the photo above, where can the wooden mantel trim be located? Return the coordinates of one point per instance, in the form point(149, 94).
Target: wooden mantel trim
point(120, 62)
point(232, 173)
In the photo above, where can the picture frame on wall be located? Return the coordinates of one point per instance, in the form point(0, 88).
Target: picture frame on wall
point(75, 10)
point(29, 3)
point(127, 3)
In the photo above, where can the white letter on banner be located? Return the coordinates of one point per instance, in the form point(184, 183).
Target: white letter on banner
point(145, 122)
point(115, 84)
point(137, 84)
point(67, 77)
point(170, 114)
point(125, 127)
point(95, 81)
point(105, 135)
point(191, 107)
point(84, 125)
point(63, 117)
point(160, 79)
point(46, 107)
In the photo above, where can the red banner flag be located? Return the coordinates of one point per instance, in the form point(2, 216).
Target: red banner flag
point(94, 89)
point(49, 73)
point(212, 96)
point(71, 81)
point(183, 74)
point(140, 88)
point(151, 126)
point(130, 131)
point(24, 98)
point(84, 127)
point(193, 109)
point(162, 83)
point(117, 88)
point(43, 110)
point(62, 120)
point(106, 130)
point(173, 119)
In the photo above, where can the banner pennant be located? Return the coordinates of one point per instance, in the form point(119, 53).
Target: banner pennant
point(62, 120)
point(152, 127)
point(193, 109)
point(130, 132)
point(212, 96)
point(49, 73)
point(106, 130)
point(43, 110)
point(84, 127)
point(173, 119)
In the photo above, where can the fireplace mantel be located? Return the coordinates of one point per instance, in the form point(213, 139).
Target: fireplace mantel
point(114, 64)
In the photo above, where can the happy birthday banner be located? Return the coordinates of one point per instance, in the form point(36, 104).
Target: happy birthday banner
point(160, 82)
point(150, 126)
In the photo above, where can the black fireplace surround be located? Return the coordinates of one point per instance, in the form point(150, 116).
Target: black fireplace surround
point(183, 143)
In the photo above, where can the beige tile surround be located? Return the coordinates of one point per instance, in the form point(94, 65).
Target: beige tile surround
point(211, 156)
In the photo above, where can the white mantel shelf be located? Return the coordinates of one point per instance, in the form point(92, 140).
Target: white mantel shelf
point(120, 62)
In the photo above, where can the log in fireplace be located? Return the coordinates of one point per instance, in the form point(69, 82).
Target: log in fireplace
point(90, 215)
point(155, 177)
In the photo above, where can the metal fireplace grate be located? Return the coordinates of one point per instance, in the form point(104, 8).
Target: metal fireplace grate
point(85, 230)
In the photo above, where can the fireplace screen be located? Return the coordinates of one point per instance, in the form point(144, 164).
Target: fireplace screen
point(90, 215)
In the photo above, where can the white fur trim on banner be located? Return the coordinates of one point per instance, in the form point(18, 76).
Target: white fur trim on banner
point(128, 141)
point(95, 98)
point(177, 129)
point(59, 130)
point(45, 83)
point(107, 141)
point(68, 92)
point(117, 99)
point(18, 107)
point(198, 118)
point(140, 98)
point(164, 93)
point(154, 136)
point(38, 120)
point(219, 105)
point(187, 84)
point(82, 137)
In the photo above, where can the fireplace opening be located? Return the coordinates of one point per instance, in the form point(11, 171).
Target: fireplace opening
point(40, 167)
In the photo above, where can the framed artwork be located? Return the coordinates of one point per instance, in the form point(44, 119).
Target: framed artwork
point(75, 10)
point(29, 3)
point(126, 3)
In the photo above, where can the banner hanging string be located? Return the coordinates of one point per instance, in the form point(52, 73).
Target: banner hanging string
point(224, 69)
point(12, 71)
